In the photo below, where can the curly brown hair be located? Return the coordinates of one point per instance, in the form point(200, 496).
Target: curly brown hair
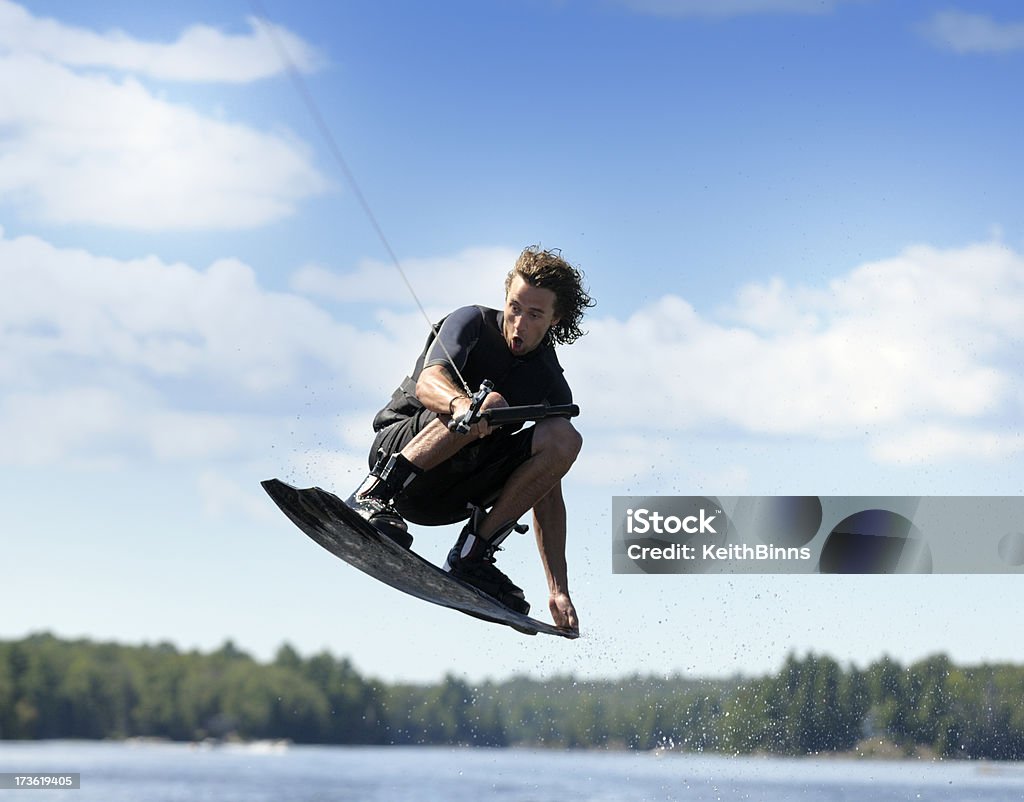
point(549, 271)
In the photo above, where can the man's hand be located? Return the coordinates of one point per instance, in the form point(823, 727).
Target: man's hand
point(562, 612)
point(462, 404)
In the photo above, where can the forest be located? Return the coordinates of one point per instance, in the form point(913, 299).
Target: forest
point(58, 688)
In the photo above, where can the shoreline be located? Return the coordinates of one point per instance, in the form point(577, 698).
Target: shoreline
point(869, 749)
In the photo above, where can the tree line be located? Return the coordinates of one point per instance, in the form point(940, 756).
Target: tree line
point(55, 688)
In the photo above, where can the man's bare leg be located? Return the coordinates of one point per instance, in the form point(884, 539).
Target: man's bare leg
point(534, 484)
point(556, 444)
point(436, 443)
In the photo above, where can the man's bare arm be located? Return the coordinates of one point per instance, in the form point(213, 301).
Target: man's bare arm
point(436, 389)
point(438, 392)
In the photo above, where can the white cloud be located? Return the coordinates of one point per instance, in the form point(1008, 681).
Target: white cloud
point(200, 53)
point(728, 8)
point(925, 338)
point(87, 147)
point(96, 426)
point(45, 428)
point(964, 32)
point(91, 149)
point(938, 442)
point(163, 320)
point(474, 275)
point(103, 359)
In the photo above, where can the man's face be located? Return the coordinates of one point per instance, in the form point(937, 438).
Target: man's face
point(529, 313)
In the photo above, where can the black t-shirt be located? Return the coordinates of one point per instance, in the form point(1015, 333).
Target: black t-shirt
point(473, 341)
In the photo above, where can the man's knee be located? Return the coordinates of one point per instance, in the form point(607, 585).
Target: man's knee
point(558, 439)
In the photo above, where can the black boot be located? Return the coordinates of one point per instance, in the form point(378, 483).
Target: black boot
point(471, 559)
point(372, 500)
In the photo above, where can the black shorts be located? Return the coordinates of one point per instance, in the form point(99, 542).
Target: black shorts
point(475, 475)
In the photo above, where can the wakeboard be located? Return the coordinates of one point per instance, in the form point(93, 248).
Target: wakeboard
point(328, 521)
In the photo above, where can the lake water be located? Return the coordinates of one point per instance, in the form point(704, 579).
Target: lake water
point(120, 772)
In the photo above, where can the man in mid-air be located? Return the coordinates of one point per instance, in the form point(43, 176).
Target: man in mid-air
point(422, 471)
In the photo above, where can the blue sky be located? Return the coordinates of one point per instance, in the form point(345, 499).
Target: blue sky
point(801, 221)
